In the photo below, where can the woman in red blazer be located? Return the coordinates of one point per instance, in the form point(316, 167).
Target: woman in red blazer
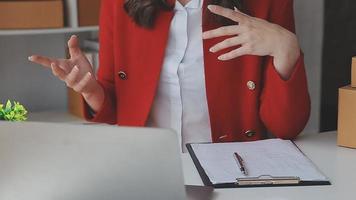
point(254, 72)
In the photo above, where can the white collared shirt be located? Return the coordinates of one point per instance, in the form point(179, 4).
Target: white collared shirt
point(180, 102)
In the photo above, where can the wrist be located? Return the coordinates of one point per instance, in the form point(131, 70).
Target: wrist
point(286, 56)
point(95, 97)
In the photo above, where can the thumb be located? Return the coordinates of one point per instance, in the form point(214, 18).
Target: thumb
point(73, 46)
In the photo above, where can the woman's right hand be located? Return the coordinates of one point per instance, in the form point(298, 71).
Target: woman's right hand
point(76, 72)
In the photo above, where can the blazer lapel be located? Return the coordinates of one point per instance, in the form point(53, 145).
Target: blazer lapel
point(153, 42)
point(150, 45)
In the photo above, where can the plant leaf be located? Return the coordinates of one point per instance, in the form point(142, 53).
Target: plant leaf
point(15, 112)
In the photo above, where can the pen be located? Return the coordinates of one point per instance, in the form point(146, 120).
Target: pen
point(240, 162)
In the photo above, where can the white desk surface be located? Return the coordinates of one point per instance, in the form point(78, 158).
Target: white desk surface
point(337, 163)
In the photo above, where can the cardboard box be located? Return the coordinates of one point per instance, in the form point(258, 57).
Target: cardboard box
point(353, 72)
point(88, 12)
point(31, 14)
point(347, 117)
point(75, 103)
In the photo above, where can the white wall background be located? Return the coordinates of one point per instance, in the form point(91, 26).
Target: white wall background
point(309, 16)
point(29, 83)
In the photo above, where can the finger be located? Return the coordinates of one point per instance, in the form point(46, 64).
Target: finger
point(80, 86)
point(42, 60)
point(239, 12)
point(227, 43)
point(71, 78)
point(226, 12)
point(58, 71)
point(65, 65)
point(234, 54)
point(73, 46)
point(222, 31)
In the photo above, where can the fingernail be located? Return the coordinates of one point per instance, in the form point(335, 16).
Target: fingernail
point(76, 67)
point(212, 50)
point(210, 7)
point(89, 74)
point(73, 36)
point(235, 9)
point(221, 58)
point(30, 58)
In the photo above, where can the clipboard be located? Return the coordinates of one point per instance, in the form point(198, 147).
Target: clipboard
point(258, 181)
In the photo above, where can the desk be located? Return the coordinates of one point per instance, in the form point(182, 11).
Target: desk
point(338, 163)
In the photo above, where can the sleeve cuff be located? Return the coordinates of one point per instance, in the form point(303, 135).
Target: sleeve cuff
point(298, 68)
point(285, 104)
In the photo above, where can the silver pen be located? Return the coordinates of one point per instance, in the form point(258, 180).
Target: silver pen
point(240, 163)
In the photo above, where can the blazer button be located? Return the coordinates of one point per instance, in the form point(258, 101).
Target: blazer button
point(221, 138)
point(251, 85)
point(250, 133)
point(122, 75)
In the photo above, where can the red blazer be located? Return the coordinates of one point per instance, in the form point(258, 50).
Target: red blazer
point(246, 96)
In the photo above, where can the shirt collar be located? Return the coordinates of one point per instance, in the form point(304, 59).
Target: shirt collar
point(192, 4)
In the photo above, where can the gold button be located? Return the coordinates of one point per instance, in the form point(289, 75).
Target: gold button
point(250, 133)
point(251, 85)
point(122, 75)
point(222, 137)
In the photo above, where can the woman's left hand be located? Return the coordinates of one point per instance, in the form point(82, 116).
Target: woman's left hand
point(255, 36)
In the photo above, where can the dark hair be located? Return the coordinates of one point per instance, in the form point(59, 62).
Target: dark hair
point(145, 12)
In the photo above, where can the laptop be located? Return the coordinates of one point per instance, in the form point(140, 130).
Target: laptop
point(51, 161)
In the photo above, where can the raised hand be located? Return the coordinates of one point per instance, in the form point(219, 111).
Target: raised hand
point(254, 36)
point(76, 72)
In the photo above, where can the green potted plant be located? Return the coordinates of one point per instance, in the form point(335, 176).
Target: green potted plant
point(13, 111)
